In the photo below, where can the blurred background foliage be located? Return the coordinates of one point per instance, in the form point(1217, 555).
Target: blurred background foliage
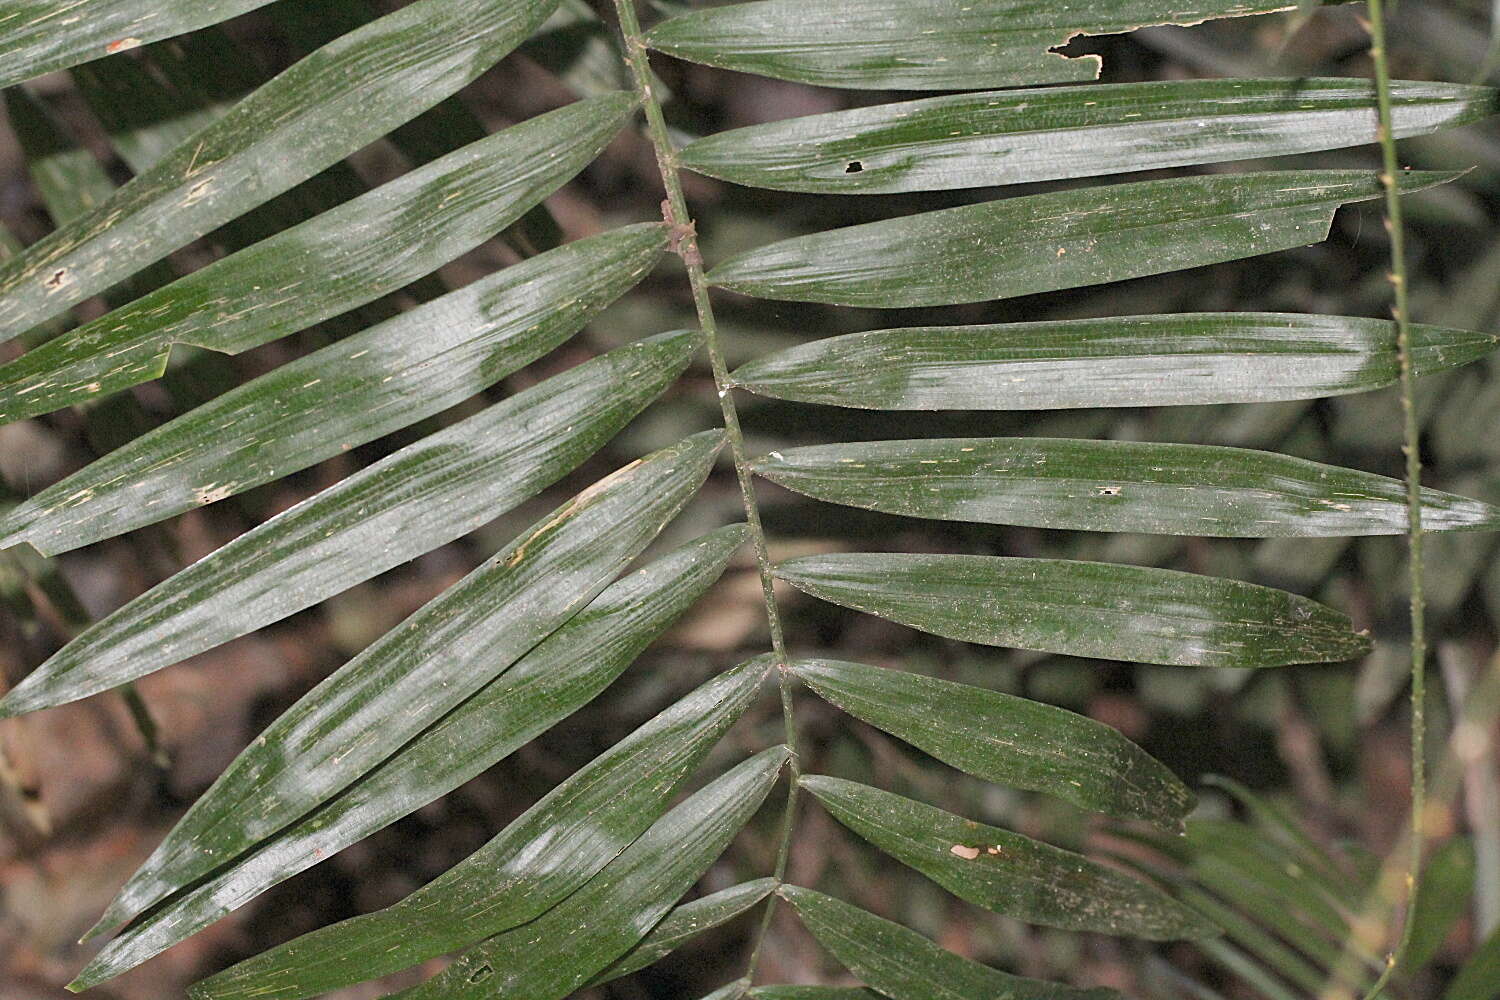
point(1314, 756)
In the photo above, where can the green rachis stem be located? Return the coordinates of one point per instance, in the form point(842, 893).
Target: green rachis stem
point(1411, 434)
point(685, 241)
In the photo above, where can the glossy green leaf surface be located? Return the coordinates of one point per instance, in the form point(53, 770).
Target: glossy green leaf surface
point(325, 266)
point(1079, 608)
point(1048, 242)
point(1086, 485)
point(39, 36)
point(385, 378)
point(562, 949)
point(917, 44)
point(410, 502)
point(1156, 360)
point(564, 672)
point(1008, 740)
point(424, 667)
point(1019, 136)
point(903, 965)
point(325, 107)
point(553, 848)
point(1006, 872)
point(685, 922)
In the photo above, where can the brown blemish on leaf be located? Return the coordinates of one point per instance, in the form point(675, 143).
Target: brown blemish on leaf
point(122, 45)
point(569, 509)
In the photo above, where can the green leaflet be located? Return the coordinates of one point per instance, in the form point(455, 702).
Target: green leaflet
point(1162, 360)
point(325, 266)
point(410, 502)
point(550, 850)
point(426, 666)
point(39, 36)
point(1048, 242)
point(1017, 136)
point(903, 965)
point(338, 99)
point(561, 950)
point(385, 378)
point(565, 671)
point(918, 44)
point(1079, 608)
point(1085, 485)
point(1008, 740)
point(685, 922)
point(1006, 872)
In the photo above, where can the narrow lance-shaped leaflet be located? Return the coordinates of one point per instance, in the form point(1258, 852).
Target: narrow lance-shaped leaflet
point(564, 672)
point(314, 114)
point(538, 859)
point(422, 496)
point(349, 255)
point(365, 386)
point(423, 668)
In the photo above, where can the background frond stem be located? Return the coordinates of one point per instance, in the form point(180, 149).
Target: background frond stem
point(685, 242)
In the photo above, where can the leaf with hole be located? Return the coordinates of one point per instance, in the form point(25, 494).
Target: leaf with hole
point(918, 44)
point(1021, 136)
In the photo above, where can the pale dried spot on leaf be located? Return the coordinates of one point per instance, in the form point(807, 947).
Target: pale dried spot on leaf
point(964, 851)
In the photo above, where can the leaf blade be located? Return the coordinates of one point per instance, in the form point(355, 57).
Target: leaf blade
point(380, 380)
point(1078, 608)
point(1089, 485)
point(367, 523)
point(346, 256)
point(1007, 740)
point(1152, 360)
point(919, 45)
point(903, 965)
point(537, 860)
point(565, 671)
point(423, 668)
point(314, 114)
point(549, 957)
point(1005, 872)
point(1049, 242)
point(685, 922)
point(1020, 136)
point(39, 37)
